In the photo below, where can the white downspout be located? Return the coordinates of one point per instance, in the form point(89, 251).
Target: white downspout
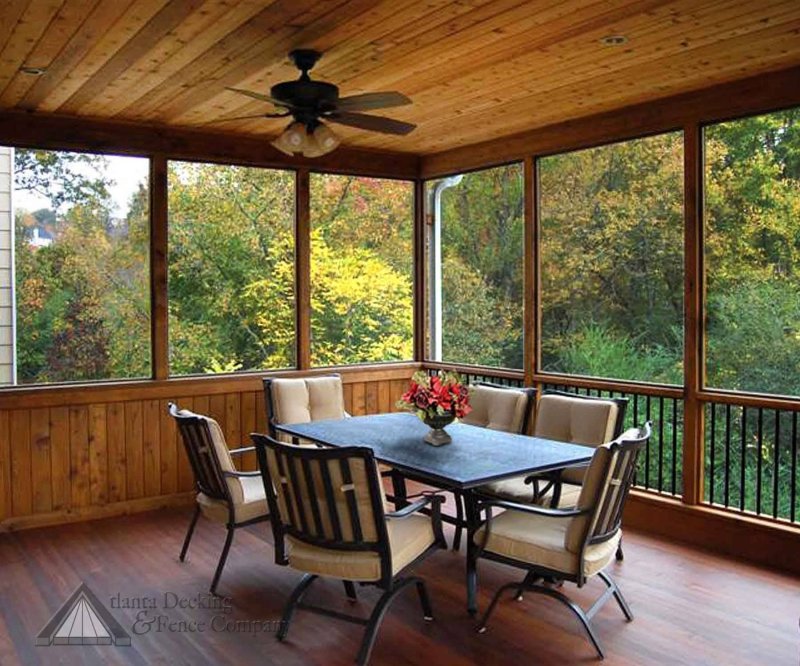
point(435, 265)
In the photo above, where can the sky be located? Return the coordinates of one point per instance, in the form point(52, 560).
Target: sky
point(126, 172)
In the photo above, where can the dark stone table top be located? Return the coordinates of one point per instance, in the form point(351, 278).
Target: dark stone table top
point(474, 457)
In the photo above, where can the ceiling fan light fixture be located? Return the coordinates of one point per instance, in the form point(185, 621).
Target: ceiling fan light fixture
point(325, 138)
point(292, 140)
point(297, 140)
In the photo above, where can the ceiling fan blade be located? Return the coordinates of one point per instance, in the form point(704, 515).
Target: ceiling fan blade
point(371, 123)
point(369, 101)
point(259, 96)
point(250, 117)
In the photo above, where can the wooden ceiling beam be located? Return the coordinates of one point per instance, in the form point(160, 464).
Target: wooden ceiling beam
point(108, 136)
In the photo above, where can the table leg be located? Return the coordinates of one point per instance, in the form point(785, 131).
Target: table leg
point(399, 490)
point(471, 515)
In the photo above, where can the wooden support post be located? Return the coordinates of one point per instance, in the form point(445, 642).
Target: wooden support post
point(159, 313)
point(694, 347)
point(420, 288)
point(302, 267)
point(531, 314)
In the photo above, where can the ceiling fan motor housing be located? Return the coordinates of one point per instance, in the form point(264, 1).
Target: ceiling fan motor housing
point(311, 95)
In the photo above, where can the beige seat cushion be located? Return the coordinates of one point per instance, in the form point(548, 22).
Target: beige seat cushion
point(576, 420)
point(408, 539)
point(252, 501)
point(497, 408)
point(516, 490)
point(541, 540)
point(568, 498)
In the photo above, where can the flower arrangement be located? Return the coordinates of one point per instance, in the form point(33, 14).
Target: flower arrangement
point(442, 394)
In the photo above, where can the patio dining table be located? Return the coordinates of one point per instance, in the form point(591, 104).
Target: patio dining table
point(476, 456)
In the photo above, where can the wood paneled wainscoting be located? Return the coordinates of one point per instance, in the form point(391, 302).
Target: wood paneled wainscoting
point(77, 453)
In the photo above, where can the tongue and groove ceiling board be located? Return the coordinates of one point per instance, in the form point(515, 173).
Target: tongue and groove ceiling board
point(475, 69)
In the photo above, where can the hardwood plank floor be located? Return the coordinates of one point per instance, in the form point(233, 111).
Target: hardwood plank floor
point(691, 607)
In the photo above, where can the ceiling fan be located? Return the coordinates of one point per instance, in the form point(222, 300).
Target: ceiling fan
point(310, 102)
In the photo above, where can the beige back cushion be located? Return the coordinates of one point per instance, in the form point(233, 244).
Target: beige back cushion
point(307, 399)
point(576, 420)
point(293, 492)
point(591, 495)
point(497, 408)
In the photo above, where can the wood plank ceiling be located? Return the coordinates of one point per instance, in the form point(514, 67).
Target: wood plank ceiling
point(475, 69)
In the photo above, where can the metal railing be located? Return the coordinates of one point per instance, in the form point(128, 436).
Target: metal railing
point(660, 466)
point(751, 459)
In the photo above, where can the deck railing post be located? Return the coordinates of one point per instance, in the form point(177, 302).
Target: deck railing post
point(693, 359)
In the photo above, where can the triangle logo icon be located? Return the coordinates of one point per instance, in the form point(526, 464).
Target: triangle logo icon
point(83, 620)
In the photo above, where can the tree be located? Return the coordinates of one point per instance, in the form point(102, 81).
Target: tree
point(82, 301)
point(482, 276)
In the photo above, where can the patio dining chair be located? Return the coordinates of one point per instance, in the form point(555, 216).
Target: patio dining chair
point(224, 494)
point(307, 399)
point(566, 417)
point(572, 545)
point(329, 520)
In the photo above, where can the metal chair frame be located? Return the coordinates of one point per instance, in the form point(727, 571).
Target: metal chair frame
point(211, 480)
point(306, 528)
point(605, 522)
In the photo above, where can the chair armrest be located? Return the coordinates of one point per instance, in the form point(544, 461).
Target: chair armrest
point(417, 506)
point(553, 475)
point(530, 508)
point(244, 449)
point(435, 501)
point(551, 480)
point(241, 474)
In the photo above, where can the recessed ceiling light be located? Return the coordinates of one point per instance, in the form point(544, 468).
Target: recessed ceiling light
point(33, 71)
point(613, 40)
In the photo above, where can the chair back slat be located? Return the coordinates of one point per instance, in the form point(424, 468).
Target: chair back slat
point(199, 445)
point(312, 485)
point(330, 498)
point(296, 492)
point(348, 488)
point(606, 517)
point(327, 486)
